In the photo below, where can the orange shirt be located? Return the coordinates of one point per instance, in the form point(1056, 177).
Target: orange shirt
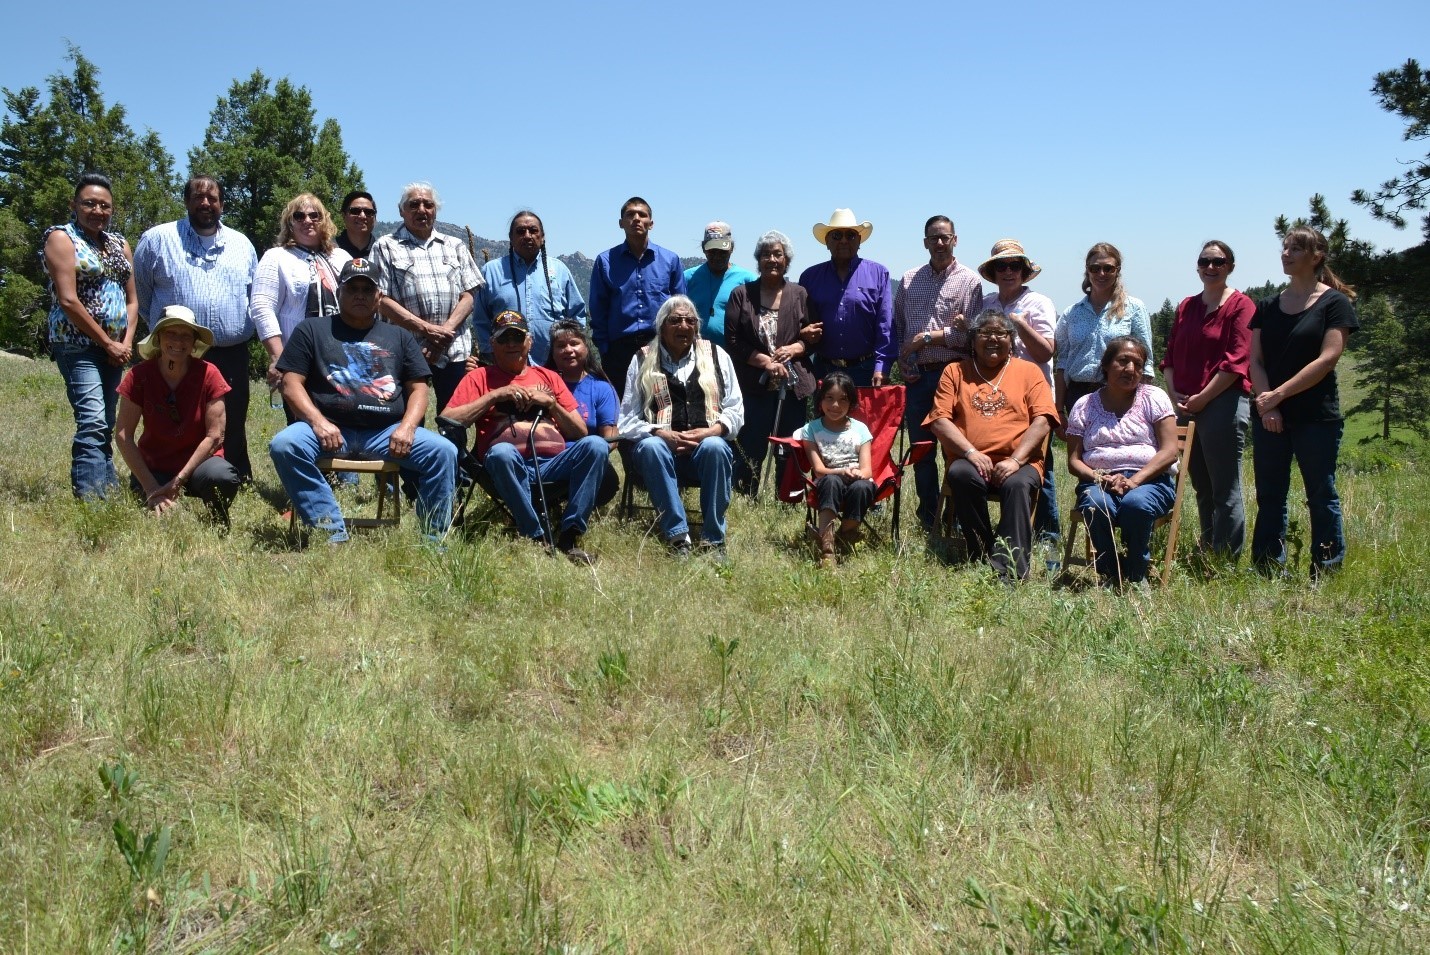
point(994, 431)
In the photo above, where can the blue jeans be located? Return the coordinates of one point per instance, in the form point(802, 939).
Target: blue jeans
point(710, 465)
point(1136, 513)
point(1215, 469)
point(432, 462)
point(918, 401)
point(582, 465)
point(1315, 446)
point(92, 384)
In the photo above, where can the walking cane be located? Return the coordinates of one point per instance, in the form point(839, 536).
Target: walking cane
point(546, 534)
point(775, 427)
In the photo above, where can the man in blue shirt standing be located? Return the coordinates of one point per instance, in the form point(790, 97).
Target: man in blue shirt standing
point(202, 264)
point(628, 285)
point(709, 285)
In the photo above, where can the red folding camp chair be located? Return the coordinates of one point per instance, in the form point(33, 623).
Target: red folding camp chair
point(882, 411)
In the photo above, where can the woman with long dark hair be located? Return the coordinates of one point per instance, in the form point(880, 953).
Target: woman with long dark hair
point(91, 326)
point(1297, 338)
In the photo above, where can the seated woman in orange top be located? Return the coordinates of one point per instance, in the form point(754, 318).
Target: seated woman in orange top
point(991, 414)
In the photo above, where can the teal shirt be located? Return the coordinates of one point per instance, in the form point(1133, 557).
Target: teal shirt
point(710, 295)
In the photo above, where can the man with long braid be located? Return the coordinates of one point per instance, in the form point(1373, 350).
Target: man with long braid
point(526, 281)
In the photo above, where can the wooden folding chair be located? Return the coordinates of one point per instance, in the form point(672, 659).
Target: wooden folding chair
point(388, 492)
point(1186, 434)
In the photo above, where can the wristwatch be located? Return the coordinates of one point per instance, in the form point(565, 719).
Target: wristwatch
point(928, 338)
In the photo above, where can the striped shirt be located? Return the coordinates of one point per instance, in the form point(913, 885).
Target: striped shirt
point(928, 301)
point(174, 265)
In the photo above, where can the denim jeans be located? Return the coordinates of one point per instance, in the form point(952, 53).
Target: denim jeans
point(582, 465)
point(1047, 521)
point(1136, 513)
point(1215, 469)
point(918, 401)
point(432, 462)
point(92, 384)
point(1314, 445)
point(709, 465)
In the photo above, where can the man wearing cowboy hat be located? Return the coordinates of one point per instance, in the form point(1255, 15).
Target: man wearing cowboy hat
point(359, 388)
point(507, 402)
point(709, 285)
point(932, 306)
point(179, 399)
point(851, 304)
point(1034, 316)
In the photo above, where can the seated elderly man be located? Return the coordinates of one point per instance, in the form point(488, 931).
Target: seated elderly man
point(359, 389)
point(681, 406)
point(991, 414)
point(529, 427)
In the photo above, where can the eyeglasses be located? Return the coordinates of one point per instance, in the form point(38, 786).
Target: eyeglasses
point(1102, 269)
point(309, 216)
point(991, 333)
point(673, 319)
point(98, 205)
point(1212, 262)
point(365, 213)
point(842, 235)
point(1009, 265)
point(421, 204)
point(938, 239)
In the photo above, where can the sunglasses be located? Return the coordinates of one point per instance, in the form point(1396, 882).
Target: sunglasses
point(842, 235)
point(1102, 269)
point(673, 319)
point(171, 407)
point(1212, 262)
point(309, 216)
point(365, 213)
point(1009, 265)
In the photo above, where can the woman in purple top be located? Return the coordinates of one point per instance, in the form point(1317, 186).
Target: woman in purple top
point(1296, 340)
point(576, 360)
point(1122, 442)
point(1208, 353)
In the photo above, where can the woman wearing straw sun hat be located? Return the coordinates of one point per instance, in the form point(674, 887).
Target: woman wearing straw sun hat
point(851, 303)
point(179, 398)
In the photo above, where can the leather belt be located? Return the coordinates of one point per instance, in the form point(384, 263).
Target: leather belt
point(848, 362)
point(924, 366)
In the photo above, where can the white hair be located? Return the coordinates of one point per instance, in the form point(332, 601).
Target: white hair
point(420, 185)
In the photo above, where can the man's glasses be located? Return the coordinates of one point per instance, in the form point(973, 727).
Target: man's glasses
point(365, 213)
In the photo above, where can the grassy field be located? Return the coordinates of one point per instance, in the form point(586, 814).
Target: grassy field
point(216, 744)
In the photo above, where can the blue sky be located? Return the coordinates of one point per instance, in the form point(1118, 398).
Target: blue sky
point(1150, 126)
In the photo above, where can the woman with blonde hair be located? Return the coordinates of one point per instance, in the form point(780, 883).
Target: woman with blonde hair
point(1296, 340)
point(1084, 330)
point(298, 277)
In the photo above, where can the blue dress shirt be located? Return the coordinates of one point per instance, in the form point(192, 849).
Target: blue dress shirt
point(626, 293)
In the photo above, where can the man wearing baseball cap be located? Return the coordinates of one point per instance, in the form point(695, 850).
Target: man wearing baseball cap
point(359, 388)
point(529, 428)
point(709, 285)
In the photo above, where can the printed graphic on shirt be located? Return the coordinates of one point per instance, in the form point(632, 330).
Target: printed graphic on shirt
point(364, 373)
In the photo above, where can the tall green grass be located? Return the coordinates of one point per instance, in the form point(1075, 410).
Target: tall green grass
point(384, 749)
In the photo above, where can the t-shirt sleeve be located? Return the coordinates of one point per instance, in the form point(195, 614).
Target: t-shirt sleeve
point(1077, 417)
point(1340, 313)
point(862, 433)
point(946, 396)
point(605, 409)
point(414, 365)
point(564, 398)
point(1159, 406)
point(472, 386)
point(129, 388)
point(214, 385)
point(298, 353)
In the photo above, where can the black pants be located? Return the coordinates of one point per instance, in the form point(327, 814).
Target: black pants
point(754, 437)
point(1014, 537)
point(849, 499)
point(616, 357)
point(215, 482)
point(232, 362)
point(445, 381)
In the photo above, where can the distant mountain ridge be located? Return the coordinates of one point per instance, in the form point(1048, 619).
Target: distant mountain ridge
point(484, 250)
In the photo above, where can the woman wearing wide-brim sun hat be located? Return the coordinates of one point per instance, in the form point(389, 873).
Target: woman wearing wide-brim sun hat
point(178, 398)
point(851, 304)
point(1033, 314)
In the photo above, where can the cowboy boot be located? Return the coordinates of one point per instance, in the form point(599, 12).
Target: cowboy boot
point(825, 538)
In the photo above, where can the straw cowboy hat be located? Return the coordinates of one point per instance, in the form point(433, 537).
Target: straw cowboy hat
point(177, 316)
point(843, 219)
point(1007, 249)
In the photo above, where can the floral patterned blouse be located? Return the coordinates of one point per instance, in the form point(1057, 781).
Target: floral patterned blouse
point(101, 273)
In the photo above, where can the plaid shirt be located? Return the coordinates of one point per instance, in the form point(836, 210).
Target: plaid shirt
point(427, 279)
point(926, 301)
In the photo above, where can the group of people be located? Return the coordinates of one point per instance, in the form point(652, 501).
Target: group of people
point(705, 364)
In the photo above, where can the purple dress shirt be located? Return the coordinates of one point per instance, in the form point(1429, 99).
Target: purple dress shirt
point(858, 315)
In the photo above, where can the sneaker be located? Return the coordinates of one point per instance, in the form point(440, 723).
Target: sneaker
point(570, 546)
point(680, 547)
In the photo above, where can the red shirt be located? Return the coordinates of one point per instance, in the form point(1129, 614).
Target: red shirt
point(500, 424)
point(173, 420)
point(1200, 345)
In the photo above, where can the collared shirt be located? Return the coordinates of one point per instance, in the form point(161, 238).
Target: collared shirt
point(929, 301)
point(633, 424)
point(858, 315)
point(427, 278)
point(512, 284)
point(626, 292)
point(1038, 311)
point(342, 241)
point(1083, 333)
point(710, 293)
point(174, 265)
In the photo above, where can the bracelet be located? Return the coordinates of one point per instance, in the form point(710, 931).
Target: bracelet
point(971, 450)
